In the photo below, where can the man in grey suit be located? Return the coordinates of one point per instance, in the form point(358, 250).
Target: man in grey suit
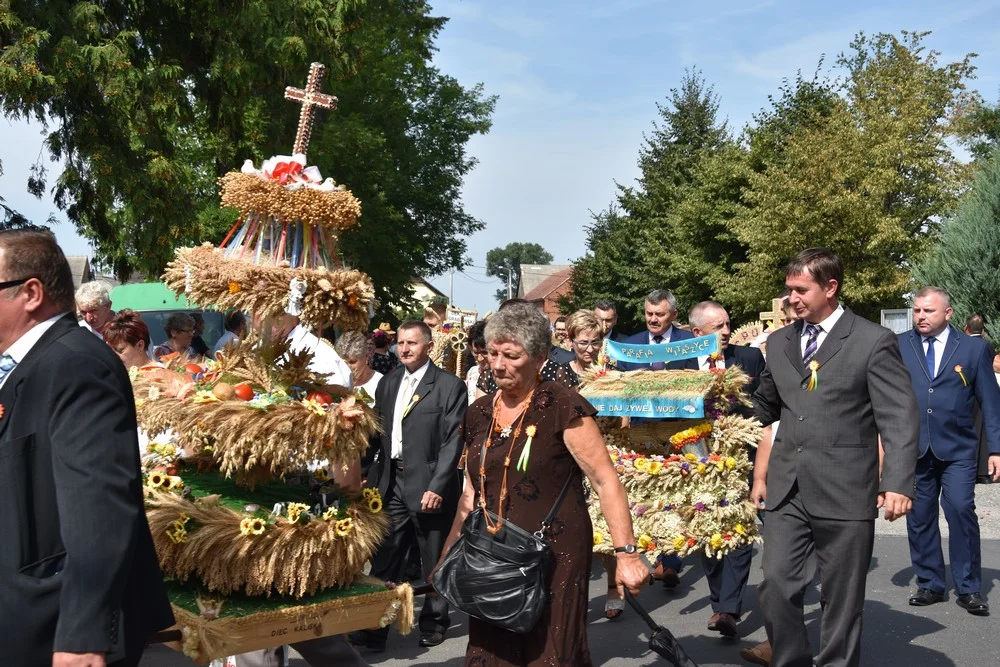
point(836, 381)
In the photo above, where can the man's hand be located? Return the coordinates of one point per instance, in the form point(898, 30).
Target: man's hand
point(758, 494)
point(895, 504)
point(60, 659)
point(430, 501)
point(993, 465)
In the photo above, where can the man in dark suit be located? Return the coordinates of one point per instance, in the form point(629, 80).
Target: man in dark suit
point(422, 408)
point(607, 314)
point(975, 327)
point(80, 585)
point(660, 310)
point(561, 352)
point(836, 381)
point(950, 373)
point(727, 576)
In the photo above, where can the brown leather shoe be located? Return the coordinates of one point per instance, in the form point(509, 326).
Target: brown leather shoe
point(713, 623)
point(667, 575)
point(725, 625)
point(758, 655)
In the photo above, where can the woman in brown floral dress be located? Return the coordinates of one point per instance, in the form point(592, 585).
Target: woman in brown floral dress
point(566, 444)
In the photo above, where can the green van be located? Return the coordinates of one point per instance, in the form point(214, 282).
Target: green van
point(156, 303)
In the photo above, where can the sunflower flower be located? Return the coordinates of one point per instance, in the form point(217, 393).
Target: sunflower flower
point(329, 513)
point(598, 538)
point(343, 527)
point(375, 504)
point(295, 511)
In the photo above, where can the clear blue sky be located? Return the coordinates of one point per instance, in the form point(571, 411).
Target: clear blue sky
point(579, 80)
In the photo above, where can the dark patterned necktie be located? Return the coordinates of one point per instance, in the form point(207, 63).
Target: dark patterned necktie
point(658, 365)
point(813, 343)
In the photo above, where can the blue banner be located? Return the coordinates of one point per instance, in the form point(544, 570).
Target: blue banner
point(652, 408)
point(664, 352)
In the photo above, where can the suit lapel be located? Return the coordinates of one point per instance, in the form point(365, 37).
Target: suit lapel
point(918, 351)
point(793, 350)
point(949, 351)
point(395, 381)
point(835, 338)
point(424, 387)
point(11, 388)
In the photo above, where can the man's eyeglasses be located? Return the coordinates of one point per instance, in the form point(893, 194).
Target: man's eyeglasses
point(584, 344)
point(13, 283)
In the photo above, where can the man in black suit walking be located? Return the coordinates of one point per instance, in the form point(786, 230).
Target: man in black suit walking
point(727, 577)
point(422, 408)
point(80, 585)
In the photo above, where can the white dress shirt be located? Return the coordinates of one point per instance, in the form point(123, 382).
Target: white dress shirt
point(224, 339)
point(666, 336)
point(407, 388)
point(824, 328)
point(325, 359)
point(940, 341)
point(703, 362)
point(22, 346)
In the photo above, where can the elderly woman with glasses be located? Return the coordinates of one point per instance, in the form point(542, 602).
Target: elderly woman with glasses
point(179, 328)
point(566, 445)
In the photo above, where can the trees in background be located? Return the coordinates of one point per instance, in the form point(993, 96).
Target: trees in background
point(859, 163)
point(505, 264)
point(966, 257)
point(147, 104)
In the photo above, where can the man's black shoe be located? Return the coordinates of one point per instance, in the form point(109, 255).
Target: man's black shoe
point(430, 639)
point(924, 597)
point(366, 640)
point(974, 603)
point(984, 479)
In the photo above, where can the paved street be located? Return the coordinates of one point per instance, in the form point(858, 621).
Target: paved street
point(943, 635)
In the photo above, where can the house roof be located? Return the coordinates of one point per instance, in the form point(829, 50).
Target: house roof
point(549, 284)
point(421, 281)
point(533, 275)
point(79, 265)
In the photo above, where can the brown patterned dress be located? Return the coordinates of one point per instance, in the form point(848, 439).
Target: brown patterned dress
point(560, 638)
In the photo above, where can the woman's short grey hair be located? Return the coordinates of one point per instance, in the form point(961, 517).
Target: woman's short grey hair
point(93, 294)
point(523, 324)
point(352, 345)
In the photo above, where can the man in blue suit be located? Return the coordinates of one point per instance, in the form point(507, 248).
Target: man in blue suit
point(727, 576)
point(661, 311)
point(949, 371)
point(606, 313)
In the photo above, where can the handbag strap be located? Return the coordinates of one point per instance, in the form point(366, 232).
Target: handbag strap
point(547, 521)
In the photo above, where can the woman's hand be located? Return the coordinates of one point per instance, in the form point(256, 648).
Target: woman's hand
point(632, 573)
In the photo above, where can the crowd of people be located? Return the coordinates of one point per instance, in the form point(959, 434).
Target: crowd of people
point(856, 419)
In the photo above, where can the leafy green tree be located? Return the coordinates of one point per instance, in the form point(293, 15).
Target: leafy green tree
point(613, 268)
point(979, 130)
point(633, 245)
point(965, 258)
point(149, 103)
point(504, 263)
point(871, 176)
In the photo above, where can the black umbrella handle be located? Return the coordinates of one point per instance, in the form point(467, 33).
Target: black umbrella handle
point(653, 625)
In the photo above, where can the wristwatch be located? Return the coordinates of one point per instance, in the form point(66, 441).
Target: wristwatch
point(627, 549)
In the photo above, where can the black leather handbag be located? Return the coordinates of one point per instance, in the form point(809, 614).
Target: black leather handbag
point(503, 578)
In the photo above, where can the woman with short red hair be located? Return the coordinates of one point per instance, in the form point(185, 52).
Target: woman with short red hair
point(128, 336)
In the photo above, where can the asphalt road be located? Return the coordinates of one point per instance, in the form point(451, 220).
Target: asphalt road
point(943, 635)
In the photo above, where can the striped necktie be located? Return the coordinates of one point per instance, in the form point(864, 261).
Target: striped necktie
point(813, 343)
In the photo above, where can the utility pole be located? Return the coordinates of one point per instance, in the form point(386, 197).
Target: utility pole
point(451, 288)
point(510, 282)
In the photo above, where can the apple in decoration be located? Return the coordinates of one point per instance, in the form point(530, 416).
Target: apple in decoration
point(320, 397)
point(243, 392)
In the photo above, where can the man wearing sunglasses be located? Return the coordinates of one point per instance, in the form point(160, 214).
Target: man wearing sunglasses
point(80, 585)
